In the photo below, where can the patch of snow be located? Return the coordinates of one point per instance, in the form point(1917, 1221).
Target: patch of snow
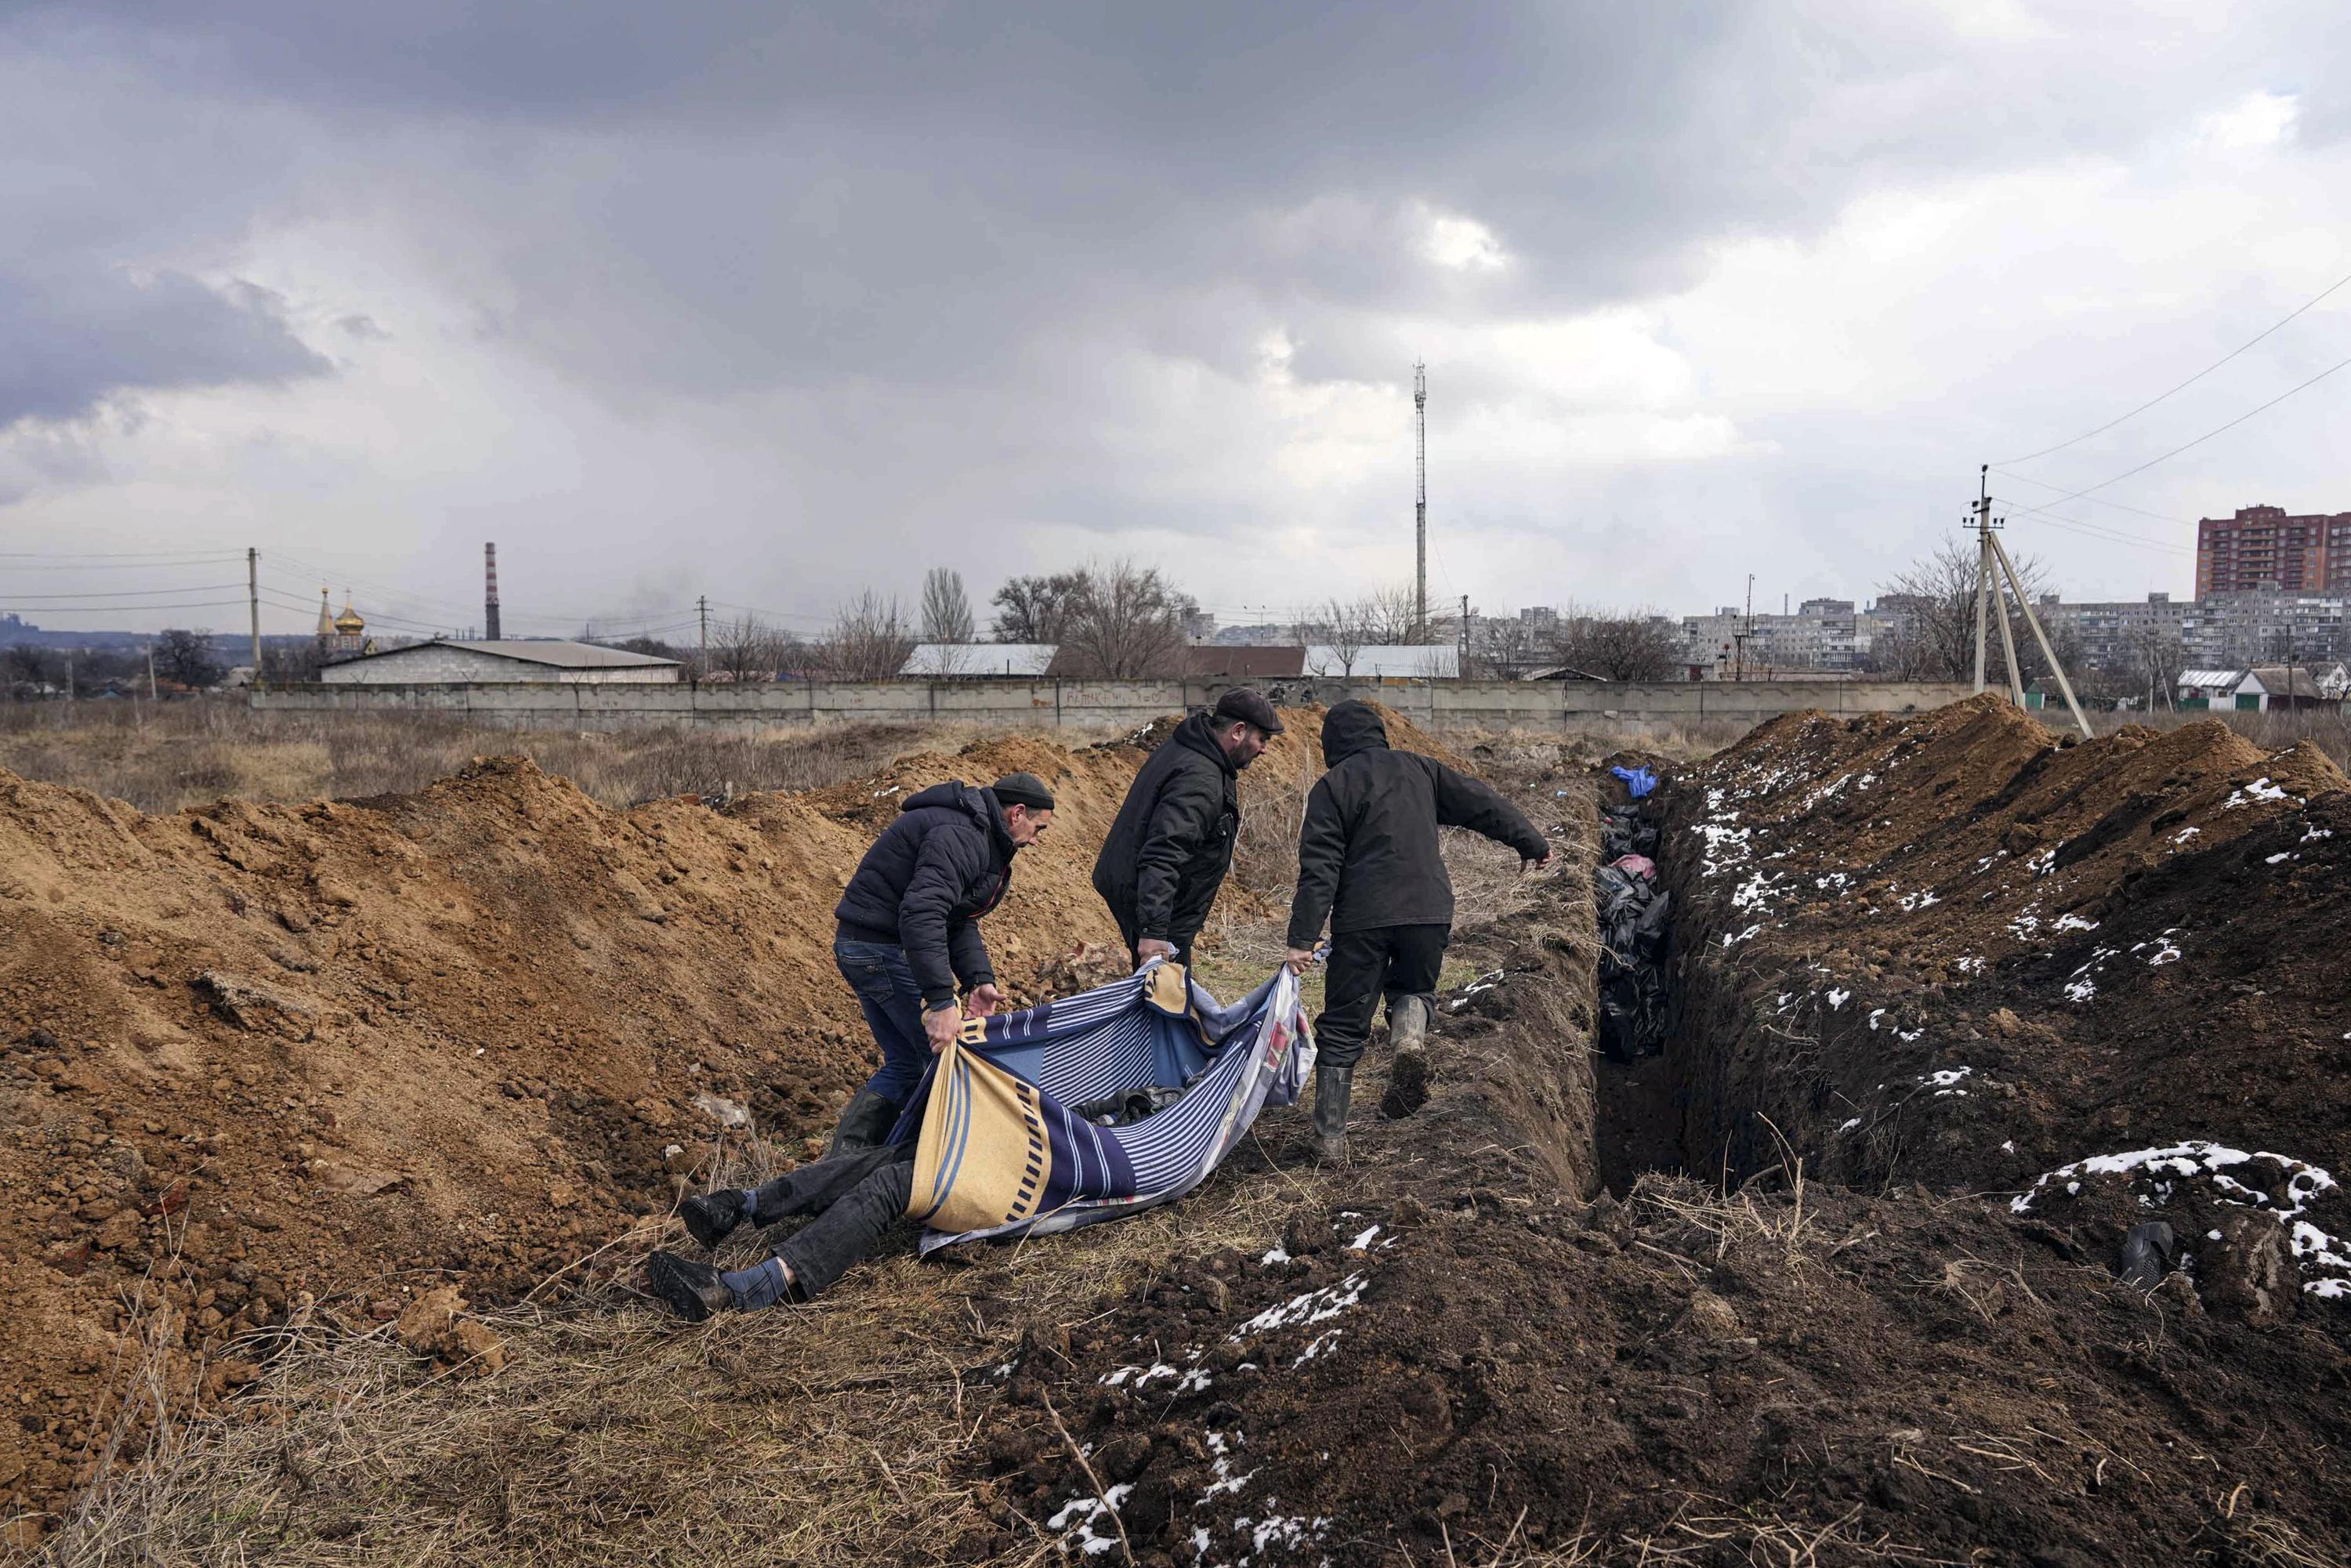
point(1364, 1240)
point(1083, 1512)
point(1837, 999)
point(1731, 938)
point(1850, 1125)
point(1311, 1307)
point(1274, 1255)
point(2317, 834)
point(2184, 834)
point(2074, 922)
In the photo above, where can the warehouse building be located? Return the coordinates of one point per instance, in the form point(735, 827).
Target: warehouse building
point(509, 662)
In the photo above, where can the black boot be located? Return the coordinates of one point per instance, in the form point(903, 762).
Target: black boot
point(866, 1122)
point(1332, 1087)
point(691, 1290)
point(712, 1217)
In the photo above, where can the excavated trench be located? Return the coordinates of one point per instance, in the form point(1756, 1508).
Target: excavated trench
point(1665, 1105)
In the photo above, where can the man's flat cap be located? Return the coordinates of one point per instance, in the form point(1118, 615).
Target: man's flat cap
point(1023, 789)
point(1242, 701)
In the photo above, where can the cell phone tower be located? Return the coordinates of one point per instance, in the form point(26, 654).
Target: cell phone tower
point(1420, 503)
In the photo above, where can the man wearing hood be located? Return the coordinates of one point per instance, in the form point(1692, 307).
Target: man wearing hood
point(908, 930)
point(1167, 851)
point(1368, 860)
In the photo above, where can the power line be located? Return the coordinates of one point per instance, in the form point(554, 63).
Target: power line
point(2096, 500)
point(125, 593)
point(2088, 529)
point(2208, 436)
point(2190, 382)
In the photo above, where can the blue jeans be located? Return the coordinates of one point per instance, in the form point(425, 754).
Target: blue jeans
point(885, 985)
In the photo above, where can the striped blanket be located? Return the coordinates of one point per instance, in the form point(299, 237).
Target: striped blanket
point(1001, 1152)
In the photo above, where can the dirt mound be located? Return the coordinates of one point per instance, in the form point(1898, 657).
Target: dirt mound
point(268, 1062)
point(1951, 948)
point(265, 1060)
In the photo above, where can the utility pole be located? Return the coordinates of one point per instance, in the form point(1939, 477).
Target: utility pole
point(1983, 568)
point(2016, 585)
point(151, 672)
point(253, 597)
point(69, 681)
point(1420, 508)
point(1465, 632)
point(1739, 672)
point(702, 665)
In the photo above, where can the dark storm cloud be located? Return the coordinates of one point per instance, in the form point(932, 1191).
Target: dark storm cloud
point(70, 338)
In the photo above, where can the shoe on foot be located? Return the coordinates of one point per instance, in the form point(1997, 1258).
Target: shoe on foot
point(1407, 1084)
point(691, 1290)
point(712, 1217)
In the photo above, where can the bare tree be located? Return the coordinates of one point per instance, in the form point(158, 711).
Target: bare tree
point(744, 650)
point(1038, 609)
point(947, 612)
point(1345, 629)
point(1935, 637)
point(1500, 649)
point(1127, 621)
point(1387, 616)
point(869, 639)
point(188, 657)
point(1618, 644)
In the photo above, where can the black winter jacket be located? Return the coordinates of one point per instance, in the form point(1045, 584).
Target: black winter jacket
point(1367, 856)
point(1167, 850)
point(944, 863)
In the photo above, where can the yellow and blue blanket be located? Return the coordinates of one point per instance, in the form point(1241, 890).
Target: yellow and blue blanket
point(1001, 1154)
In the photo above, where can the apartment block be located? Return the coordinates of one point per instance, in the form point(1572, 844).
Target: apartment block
point(2262, 547)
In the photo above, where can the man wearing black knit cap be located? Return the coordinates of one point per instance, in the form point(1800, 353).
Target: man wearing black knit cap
point(1368, 860)
point(908, 931)
point(1167, 851)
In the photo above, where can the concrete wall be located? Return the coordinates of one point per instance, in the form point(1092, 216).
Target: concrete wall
point(1042, 704)
point(428, 663)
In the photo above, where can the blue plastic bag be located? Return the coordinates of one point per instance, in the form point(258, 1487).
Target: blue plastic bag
point(1640, 780)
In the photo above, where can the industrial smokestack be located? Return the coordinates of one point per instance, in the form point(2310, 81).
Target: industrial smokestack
point(490, 603)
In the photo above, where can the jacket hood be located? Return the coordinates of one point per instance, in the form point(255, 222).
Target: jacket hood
point(978, 804)
point(1198, 732)
point(1350, 727)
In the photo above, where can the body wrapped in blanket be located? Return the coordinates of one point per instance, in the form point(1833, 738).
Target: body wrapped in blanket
point(1074, 1111)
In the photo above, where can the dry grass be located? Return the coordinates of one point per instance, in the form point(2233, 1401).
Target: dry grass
point(161, 758)
point(839, 1432)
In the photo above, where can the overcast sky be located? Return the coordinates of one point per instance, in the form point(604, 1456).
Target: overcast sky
point(774, 305)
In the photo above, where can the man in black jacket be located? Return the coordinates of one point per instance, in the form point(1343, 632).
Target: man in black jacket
point(1167, 850)
point(1368, 859)
point(909, 930)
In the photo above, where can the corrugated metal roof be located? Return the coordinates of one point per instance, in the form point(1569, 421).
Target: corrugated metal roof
point(559, 654)
point(974, 659)
point(1399, 661)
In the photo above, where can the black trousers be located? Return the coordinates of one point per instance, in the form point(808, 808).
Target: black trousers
point(1391, 961)
point(855, 1198)
point(1130, 935)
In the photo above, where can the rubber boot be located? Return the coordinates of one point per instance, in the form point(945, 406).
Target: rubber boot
point(1408, 1074)
point(1332, 1087)
point(866, 1122)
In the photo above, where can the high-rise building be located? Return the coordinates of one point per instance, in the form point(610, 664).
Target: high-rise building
point(2262, 547)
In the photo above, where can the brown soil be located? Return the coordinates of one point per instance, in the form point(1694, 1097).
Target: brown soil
point(313, 1061)
point(1448, 1353)
point(1908, 1369)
